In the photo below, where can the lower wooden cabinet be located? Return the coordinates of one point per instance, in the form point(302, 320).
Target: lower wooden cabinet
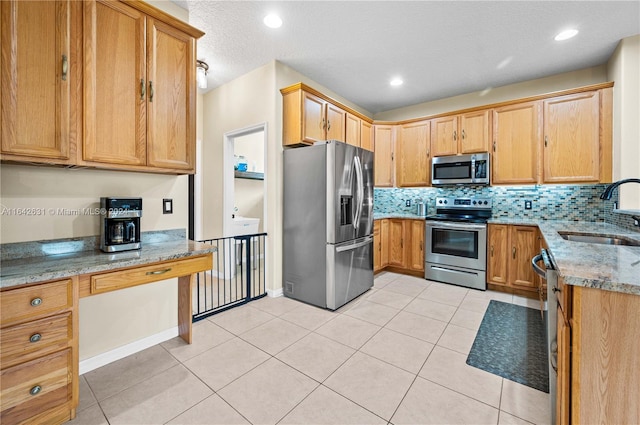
point(39, 356)
point(510, 250)
point(398, 243)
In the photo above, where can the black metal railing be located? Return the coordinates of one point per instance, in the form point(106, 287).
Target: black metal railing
point(236, 278)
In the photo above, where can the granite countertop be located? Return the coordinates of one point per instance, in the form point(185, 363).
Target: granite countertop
point(23, 264)
point(609, 267)
point(516, 221)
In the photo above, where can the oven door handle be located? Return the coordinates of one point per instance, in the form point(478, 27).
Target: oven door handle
point(447, 225)
point(536, 268)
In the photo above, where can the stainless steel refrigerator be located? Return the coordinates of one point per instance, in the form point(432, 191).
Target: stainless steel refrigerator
point(328, 223)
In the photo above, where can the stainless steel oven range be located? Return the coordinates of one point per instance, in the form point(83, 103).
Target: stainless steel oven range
point(456, 242)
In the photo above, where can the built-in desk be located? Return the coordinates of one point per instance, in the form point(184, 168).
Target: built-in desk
point(39, 318)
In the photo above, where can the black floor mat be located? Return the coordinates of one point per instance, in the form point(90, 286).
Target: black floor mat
point(512, 343)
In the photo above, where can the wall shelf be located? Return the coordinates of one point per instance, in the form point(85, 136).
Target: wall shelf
point(248, 175)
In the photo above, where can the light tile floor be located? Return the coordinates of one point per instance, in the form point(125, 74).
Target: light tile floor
point(396, 355)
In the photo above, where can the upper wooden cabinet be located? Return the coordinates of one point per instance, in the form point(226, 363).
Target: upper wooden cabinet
point(366, 135)
point(413, 162)
point(517, 133)
point(309, 118)
point(111, 82)
point(38, 75)
point(143, 80)
point(572, 138)
point(458, 134)
point(384, 142)
point(353, 130)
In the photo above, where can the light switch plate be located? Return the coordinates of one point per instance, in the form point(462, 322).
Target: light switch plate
point(167, 206)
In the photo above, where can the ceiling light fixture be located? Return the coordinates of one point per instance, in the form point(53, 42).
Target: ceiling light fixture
point(566, 34)
point(396, 82)
point(272, 21)
point(202, 70)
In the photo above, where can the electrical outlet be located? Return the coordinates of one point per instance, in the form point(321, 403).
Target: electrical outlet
point(167, 206)
point(527, 204)
point(407, 203)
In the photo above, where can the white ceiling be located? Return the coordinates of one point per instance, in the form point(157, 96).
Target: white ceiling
point(439, 48)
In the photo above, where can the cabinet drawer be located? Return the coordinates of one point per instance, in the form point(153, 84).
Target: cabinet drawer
point(106, 282)
point(35, 386)
point(29, 340)
point(36, 301)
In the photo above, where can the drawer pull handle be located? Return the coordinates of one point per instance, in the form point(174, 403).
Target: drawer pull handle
point(158, 272)
point(36, 302)
point(35, 390)
point(35, 338)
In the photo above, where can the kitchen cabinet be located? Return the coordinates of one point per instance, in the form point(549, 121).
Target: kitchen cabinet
point(366, 135)
point(39, 80)
point(309, 118)
point(458, 134)
point(510, 250)
point(380, 244)
point(517, 135)
point(398, 243)
point(413, 163)
point(143, 80)
point(353, 129)
point(384, 146)
point(416, 248)
point(39, 339)
point(597, 358)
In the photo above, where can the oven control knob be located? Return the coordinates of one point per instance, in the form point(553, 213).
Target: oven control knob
point(485, 202)
point(474, 202)
point(445, 201)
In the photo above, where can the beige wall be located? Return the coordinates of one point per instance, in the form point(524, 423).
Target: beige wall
point(553, 83)
point(624, 70)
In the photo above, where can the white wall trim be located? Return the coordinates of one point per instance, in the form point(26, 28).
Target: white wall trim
point(275, 293)
point(92, 363)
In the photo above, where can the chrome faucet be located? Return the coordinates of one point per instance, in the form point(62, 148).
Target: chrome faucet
point(606, 195)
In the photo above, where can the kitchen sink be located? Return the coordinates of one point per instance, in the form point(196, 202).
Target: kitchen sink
point(599, 239)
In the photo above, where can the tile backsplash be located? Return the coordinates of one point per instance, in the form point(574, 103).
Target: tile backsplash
point(549, 202)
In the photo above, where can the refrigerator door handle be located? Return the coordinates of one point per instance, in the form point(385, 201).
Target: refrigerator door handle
point(359, 191)
point(358, 244)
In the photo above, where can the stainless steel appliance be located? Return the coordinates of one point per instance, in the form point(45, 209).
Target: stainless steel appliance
point(460, 169)
point(551, 276)
point(456, 242)
point(328, 223)
point(120, 224)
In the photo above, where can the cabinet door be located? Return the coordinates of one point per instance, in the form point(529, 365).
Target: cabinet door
point(397, 243)
point(475, 132)
point(563, 400)
point(416, 250)
point(497, 241)
point(572, 138)
point(115, 92)
point(36, 79)
point(384, 243)
point(366, 135)
point(444, 136)
point(412, 150)
point(171, 107)
point(336, 123)
point(384, 146)
point(517, 131)
point(524, 246)
point(313, 118)
point(353, 130)
point(377, 246)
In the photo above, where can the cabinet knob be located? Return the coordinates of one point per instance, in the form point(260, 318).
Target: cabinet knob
point(65, 67)
point(35, 390)
point(455, 135)
point(36, 302)
point(546, 140)
point(35, 337)
point(328, 125)
point(513, 252)
point(494, 145)
point(463, 136)
point(143, 89)
point(492, 250)
point(151, 92)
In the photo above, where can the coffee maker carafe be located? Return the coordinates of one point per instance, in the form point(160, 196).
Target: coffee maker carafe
point(120, 224)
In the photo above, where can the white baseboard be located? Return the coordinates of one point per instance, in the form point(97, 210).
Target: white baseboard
point(95, 362)
point(274, 293)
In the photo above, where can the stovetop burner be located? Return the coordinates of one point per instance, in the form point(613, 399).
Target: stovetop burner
point(462, 210)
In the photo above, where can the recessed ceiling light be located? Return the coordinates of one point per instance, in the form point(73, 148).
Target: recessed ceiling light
point(272, 21)
point(396, 82)
point(566, 34)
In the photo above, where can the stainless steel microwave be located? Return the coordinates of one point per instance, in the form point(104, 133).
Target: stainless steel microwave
point(460, 169)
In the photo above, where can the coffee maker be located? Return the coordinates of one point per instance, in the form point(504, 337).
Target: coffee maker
point(120, 224)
